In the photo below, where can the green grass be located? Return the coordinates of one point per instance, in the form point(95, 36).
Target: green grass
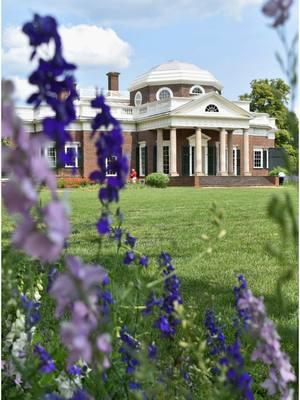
point(173, 220)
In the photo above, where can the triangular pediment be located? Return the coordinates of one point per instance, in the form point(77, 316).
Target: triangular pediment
point(197, 108)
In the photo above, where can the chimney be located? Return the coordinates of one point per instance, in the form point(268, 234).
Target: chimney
point(113, 81)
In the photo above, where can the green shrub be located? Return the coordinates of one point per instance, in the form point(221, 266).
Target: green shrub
point(275, 171)
point(157, 180)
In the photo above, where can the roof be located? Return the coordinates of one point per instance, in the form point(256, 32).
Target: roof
point(175, 72)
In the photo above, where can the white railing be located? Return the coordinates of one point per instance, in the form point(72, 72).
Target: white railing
point(89, 93)
point(158, 107)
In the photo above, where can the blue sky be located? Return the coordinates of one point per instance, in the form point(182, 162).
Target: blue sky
point(230, 38)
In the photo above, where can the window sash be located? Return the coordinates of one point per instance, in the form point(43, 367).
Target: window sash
point(50, 154)
point(74, 147)
point(108, 162)
point(258, 158)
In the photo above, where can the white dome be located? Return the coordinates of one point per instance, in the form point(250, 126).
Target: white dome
point(175, 72)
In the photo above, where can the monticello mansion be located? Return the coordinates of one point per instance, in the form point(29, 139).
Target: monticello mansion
point(176, 121)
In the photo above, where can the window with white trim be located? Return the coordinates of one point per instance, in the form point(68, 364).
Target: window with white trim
point(138, 99)
point(211, 108)
point(258, 158)
point(142, 151)
point(196, 90)
point(50, 154)
point(110, 166)
point(164, 93)
point(71, 150)
point(166, 159)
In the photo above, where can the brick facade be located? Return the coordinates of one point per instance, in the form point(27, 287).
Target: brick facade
point(179, 90)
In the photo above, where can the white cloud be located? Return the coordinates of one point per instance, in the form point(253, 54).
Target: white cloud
point(85, 45)
point(22, 88)
point(90, 45)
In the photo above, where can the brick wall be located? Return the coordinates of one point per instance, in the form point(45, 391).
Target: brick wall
point(179, 90)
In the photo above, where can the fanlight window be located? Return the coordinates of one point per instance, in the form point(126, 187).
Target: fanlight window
point(196, 90)
point(163, 94)
point(212, 108)
point(138, 99)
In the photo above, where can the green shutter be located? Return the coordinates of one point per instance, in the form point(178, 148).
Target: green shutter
point(155, 158)
point(137, 160)
point(146, 161)
point(265, 155)
point(185, 160)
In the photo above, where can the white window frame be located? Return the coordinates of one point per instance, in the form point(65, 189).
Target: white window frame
point(141, 146)
point(196, 87)
point(261, 151)
point(72, 145)
point(49, 159)
point(106, 165)
point(159, 92)
point(138, 99)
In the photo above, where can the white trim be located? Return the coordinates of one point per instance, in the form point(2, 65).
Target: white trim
point(138, 101)
point(197, 94)
point(160, 90)
point(72, 145)
point(50, 159)
point(106, 165)
point(260, 150)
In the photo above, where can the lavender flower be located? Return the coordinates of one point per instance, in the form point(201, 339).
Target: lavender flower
point(130, 240)
point(74, 370)
point(279, 10)
point(144, 261)
point(78, 291)
point(268, 348)
point(46, 362)
point(44, 235)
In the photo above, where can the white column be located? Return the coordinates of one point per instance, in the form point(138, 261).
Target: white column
point(198, 149)
point(230, 153)
point(246, 171)
point(173, 145)
point(159, 146)
point(223, 169)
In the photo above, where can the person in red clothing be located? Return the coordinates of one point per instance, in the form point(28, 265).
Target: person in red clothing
point(133, 175)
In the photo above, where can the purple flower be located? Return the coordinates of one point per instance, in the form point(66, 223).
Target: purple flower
point(128, 350)
point(80, 395)
point(103, 225)
point(77, 290)
point(215, 337)
point(74, 370)
point(268, 348)
point(152, 351)
point(163, 325)
point(129, 257)
point(32, 311)
point(279, 10)
point(144, 261)
point(41, 30)
point(130, 240)
point(46, 362)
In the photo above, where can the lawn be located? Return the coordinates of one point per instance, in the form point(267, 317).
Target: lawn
point(173, 220)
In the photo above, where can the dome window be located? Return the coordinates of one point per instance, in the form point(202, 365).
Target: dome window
point(211, 108)
point(164, 93)
point(196, 90)
point(138, 99)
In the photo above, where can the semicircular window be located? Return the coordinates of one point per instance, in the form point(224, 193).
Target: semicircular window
point(211, 108)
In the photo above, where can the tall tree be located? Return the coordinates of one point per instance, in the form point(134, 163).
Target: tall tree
point(269, 96)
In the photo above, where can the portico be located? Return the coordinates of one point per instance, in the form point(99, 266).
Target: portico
point(224, 154)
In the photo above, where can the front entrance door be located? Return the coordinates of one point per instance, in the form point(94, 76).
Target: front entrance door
point(212, 160)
